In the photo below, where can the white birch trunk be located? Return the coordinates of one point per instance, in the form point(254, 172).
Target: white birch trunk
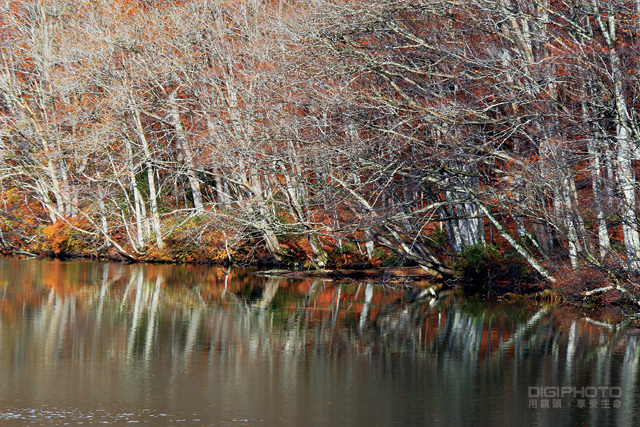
point(153, 196)
point(625, 149)
point(604, 244)
point(140, 215)
point(514, 244)
point(188, 155)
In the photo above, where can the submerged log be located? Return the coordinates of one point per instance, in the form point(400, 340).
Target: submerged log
point(342, 273)
point(617, 287)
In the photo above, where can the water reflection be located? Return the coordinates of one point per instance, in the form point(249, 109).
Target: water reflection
point(112, 343)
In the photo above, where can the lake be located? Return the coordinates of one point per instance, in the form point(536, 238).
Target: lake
point(87, 343)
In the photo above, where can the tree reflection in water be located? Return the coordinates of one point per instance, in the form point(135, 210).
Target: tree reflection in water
point(216, 342)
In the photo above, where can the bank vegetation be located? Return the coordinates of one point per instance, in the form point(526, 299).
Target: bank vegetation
point(488, 140)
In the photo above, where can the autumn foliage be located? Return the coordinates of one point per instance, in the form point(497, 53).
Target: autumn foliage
point(337, 133)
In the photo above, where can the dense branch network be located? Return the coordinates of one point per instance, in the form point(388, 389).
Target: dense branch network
point(409, 130)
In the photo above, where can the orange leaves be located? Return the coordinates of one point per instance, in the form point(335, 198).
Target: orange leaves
point(62, 238)
point(533, 159)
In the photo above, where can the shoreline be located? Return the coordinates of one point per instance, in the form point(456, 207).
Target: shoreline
point(604, 298)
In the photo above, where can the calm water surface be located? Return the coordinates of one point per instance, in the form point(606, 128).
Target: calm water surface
point(86, 343)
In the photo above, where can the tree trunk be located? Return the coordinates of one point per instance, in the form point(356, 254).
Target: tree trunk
point(153, 197)
point(604, 244)
point(625, 150)
point(188, 155)
point(514, 244)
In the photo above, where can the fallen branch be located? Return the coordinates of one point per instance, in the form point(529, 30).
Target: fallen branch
point(21, 252)
point(631, 296)
point(514, 244)
point(599, 290)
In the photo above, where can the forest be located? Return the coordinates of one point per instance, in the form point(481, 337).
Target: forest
point(484, 140)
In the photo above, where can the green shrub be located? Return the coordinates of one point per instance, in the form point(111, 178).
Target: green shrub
point(437, 238)
point(484, 265)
